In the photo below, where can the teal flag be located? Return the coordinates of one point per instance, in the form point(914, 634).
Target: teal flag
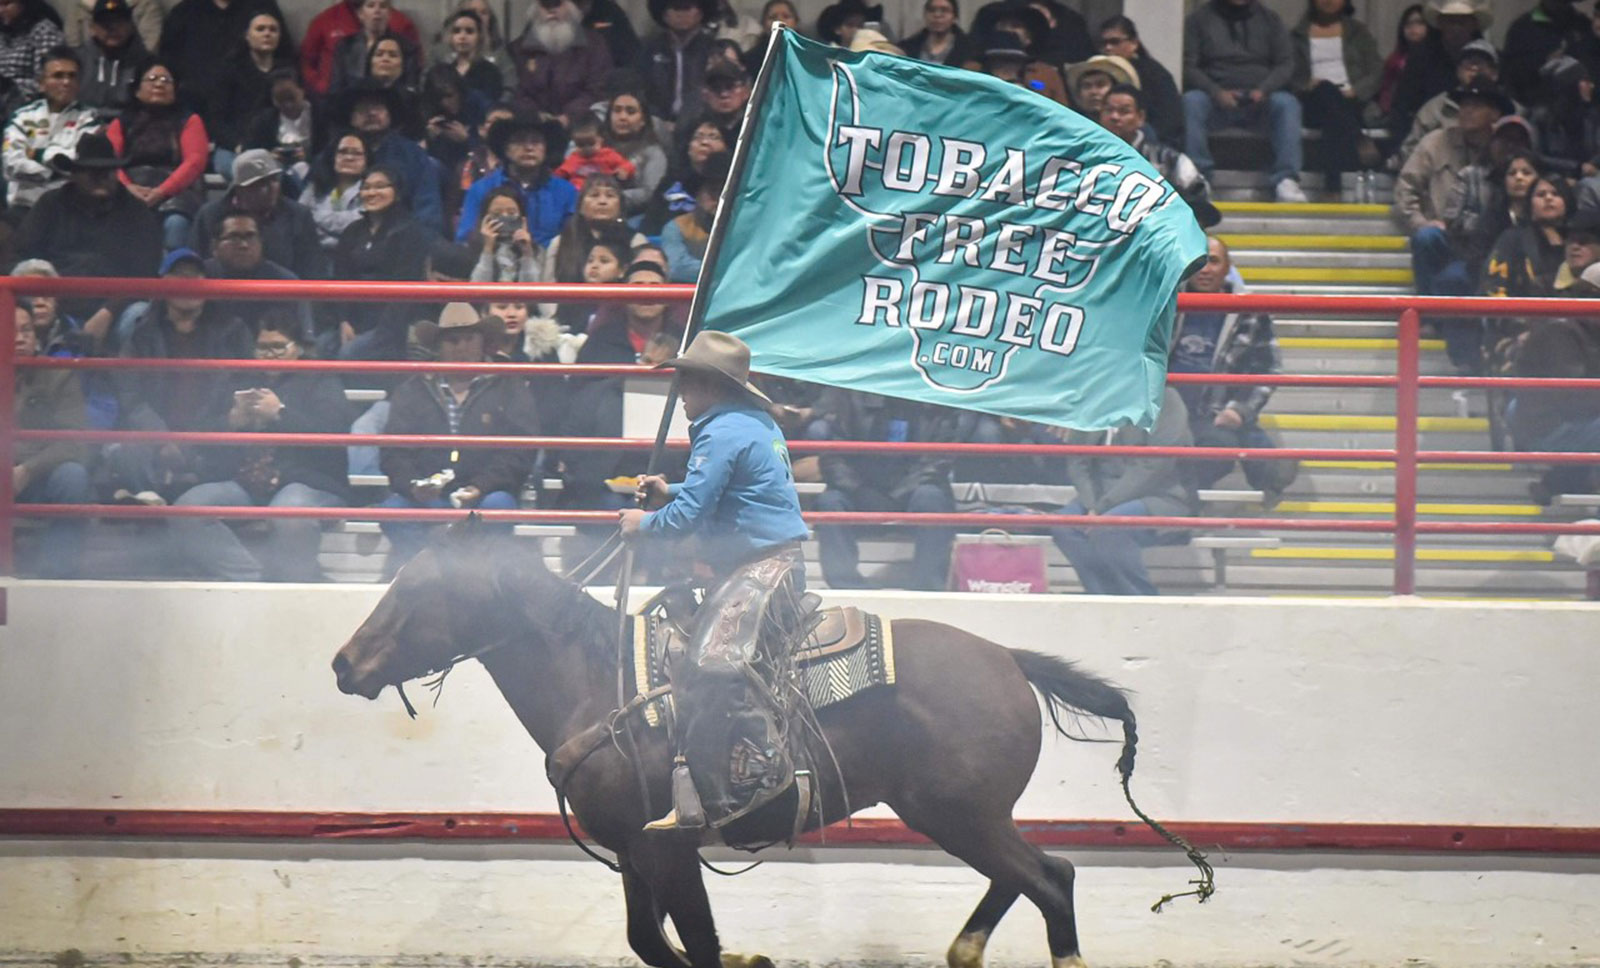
point(936, 234)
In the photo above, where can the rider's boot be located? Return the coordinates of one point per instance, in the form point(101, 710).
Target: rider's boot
point(687, 812)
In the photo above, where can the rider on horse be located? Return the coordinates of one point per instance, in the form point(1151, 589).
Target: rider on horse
point(739, 500)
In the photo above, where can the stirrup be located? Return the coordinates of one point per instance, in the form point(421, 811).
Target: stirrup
point(686, 812)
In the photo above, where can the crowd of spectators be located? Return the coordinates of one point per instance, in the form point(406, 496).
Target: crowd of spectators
point(578, 146)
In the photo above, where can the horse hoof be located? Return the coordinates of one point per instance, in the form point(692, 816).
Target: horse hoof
point(967, 951)
point(746, 961)
point(1070, 961)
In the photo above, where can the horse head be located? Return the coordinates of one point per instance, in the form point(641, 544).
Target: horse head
point(439, 609)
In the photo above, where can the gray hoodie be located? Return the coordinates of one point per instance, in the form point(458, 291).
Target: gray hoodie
point(1237, 49)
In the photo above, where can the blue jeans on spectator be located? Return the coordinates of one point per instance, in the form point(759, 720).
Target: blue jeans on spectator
point(61, 546)
point(364, 460)
point(174, 231)
point(1440, 271)
point(406, 538)
point(1574, 436)
point(1279, 113)
point(840, 552)
point(214, 551)
point(1109, 561)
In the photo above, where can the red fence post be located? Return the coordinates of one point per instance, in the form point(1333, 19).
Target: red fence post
point(8, 416)
point(1408, 370)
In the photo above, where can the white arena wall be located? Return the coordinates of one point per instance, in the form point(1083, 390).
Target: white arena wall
point(1322, 731)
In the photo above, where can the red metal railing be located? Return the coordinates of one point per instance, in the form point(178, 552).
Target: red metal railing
point(1406, 383)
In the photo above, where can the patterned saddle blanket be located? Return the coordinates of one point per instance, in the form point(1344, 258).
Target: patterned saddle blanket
point(849, 652)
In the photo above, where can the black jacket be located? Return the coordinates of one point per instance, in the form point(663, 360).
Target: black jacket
point(495, 406)
point(173, 400)
point(395, 249)
point(80, 238)
point(288, 238)
point(1163, 105)
point(242, 92)
point(1530, 41)
point(198, 38)
point(313, 403)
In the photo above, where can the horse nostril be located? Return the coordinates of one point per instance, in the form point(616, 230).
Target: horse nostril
point(341, 666)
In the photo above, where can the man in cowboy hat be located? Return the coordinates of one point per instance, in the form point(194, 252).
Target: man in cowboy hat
point(1478, 61)
point(525, 146)
point(739, 501)
point(455, 403)
point(372, 111)
point(92, 226)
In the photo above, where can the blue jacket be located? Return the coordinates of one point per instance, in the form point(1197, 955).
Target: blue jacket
point(549, 204)
point(421, 174)
point(739, 495)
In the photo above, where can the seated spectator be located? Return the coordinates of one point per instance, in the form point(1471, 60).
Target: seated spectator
point(44, 130)
point(166, 149)
point(292, 128)
point(372, 112)
point(1477, 63)
point(610, 21)
point(1123, 115)
point(357, 55)
point(673, 61)
point(333, 192)
point(507, 253)
point(50, 471)
point(1429, 178)
point(338, 21)
point(1525, 258)
point(467, 49)
point(92, 226)
point(144, 15)
point(450, 112)
point(1002, 54)
point(238, 252)
point(391, 66)
point(1090, 82)
point(1567, 119)
point(111, 50)
point(1430, 67)
point(196, 42)
point(183, 329)
point(1550, 28)
point(837, 23)
point(592, 156)
point(630, 130)
point(58, 334)
point(523, 145)
point(941, 39)
point(599, 219)
point(1565, 421)
point(724, 97)
point(684, 239)
point(674, 197)
point(385, 244)
point(880, 482)
point(244, 88)
point(278, 477)
point(1485, 204)
point(288, 229)
point(1336, 74)
point(1119, 37)
point(1409, 34)
point(1007, 28)
point(562, 65)
point(28, 28)
point(1237, 63)
point(1110, 561)
point(773, 11)
point(495, 405)
point(1227, 416)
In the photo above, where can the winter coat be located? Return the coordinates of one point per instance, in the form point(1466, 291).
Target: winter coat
point(33, 139)
point(332, 25)
point(1362, 62)
point(1429, 177)
point(495, 406)
point(167, 400)
point(313, 403)
point(288, 235)
point(242, 92)
point(1522, 264)
point(48, 400)
point(1224, 54)
point(550, 201)
point(106, 75)
point(81, 237)
point(568, 83)
point(420, 174)
point(674, 76)
point(198, 39)
point(1105, 482)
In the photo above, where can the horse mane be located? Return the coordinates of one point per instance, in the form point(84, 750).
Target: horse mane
point(560, 610)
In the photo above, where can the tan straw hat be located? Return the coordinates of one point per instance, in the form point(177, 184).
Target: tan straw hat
point(1116, 66)
point(718, 354)
point(459, 317)
point(1458, 8)
point(869, 39)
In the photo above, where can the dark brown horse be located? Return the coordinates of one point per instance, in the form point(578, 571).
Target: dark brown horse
point(949, 747)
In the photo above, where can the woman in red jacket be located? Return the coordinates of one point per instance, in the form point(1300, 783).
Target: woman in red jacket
point(165, 146)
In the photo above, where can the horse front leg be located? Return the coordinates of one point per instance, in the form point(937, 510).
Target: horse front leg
point(670, 864)
point(646, 931)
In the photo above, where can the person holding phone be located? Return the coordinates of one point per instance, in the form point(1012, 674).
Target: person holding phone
point(507, 251)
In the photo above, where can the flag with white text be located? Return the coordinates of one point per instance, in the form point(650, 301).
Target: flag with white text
point(932, 233)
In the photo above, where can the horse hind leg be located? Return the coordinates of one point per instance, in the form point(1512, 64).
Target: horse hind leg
point(967, 950)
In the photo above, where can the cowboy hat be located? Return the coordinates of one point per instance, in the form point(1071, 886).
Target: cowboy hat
point(719, 355)
point(459, 318)
point(833, 17)
point(991, 15)
point(1003, 45)
point(95, 153)
point(1118, 68)
point(1486, 93)
point(551, 131)
point(868, 39)
point(369, 91)
point(659, 8)
point(1457, 8)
